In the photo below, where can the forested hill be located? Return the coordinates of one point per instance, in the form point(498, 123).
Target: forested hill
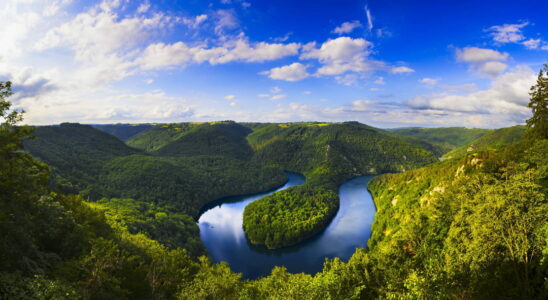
point(473, 227)
point(95, 164)
point(191, 139)
point(328, 154)
point(183, 166)
point(122, 131)
point(443, 140)
point(76, 152)
point(335, 150)
point(492, 141)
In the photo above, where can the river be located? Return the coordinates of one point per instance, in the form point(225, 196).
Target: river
point(222, 233)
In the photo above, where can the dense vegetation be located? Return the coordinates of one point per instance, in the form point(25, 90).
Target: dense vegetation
point(122, 131)
point(327, 154)
point(443, 140)
point(189, 139)
point(494, 140)
point(181, 167)
point(184, 184)
point(77, 153)
point(465, 228)
point(289, 216)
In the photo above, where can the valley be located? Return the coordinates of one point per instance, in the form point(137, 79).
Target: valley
point(302, 210)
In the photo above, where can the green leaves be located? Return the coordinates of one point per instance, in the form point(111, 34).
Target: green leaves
point(289, 216)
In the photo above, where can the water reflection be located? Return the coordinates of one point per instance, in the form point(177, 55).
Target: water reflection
point(222, 233)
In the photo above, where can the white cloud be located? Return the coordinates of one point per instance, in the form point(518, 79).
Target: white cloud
point(230, 97)
point(292, 72)
point(508, 33)
point(512, 33)
point(275, 90)
point(480, 55)
point(194, 22)
point(503, 104)
point(401, 70)
point(226, 21)
point(468, 87)
point(484, 61)
point(347, 79)
point(278, 97)
point(143, 7)
point(492, 68)
point(263, 95)
point(307, 93)
point(147, 107)
point(369, 19)
point(161, 55)
point(347, 27)
point(233, 104)
point(341, 55)
point(430, 82)
point(379, 80)
point(505, 101)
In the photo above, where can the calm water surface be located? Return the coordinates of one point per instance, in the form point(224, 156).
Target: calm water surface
point(222, 233)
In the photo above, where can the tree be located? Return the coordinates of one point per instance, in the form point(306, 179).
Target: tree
point(538, 126)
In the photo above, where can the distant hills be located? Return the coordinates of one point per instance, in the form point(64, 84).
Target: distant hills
point(443, 140)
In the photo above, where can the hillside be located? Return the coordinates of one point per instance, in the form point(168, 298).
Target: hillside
point(191, 139)
point(453, 225)
point(122, 131)
point(76, 152)
point(184, 184)
point(335, 151)
point(491, 141)
point(327, 154)
point(443, 140)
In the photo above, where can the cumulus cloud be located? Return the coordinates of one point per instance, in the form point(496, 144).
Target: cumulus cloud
point(506, 98)
point(27, 83)
point(341, 55)
point(503, 103)
point(430, 82)
point(194, 22)
point(226, 21)
point(379, 80)
point(508, 33)
point(484, 61)
point(147, 107)
point(401, 70)
point(479, 55)
point(347, 27)
point(347, 79)
point(143, 8)
point(278, 97)
point(162, 55)
point(275, 90)
point(230, 97)
point(512, 33)
point(292, 72)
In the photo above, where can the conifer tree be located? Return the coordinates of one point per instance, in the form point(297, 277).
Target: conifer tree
point(538, 123)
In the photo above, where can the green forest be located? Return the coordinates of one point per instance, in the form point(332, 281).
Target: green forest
point(109, 213)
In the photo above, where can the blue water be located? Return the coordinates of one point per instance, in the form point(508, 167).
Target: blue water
point(222, 233)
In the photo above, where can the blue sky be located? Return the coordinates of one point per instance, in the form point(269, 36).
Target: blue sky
point(383, 63)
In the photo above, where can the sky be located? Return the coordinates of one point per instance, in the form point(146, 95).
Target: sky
point(384, 63)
